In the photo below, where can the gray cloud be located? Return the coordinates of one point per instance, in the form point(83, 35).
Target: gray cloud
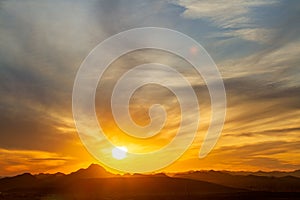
point(44, 42)
point(235, 18)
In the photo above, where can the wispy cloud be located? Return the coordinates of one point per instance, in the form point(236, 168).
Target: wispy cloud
point(236, 18)
point(277, 65)
point(44, 42)
point(20, 161)
point(269, 133)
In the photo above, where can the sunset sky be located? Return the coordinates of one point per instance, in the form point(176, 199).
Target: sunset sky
point(255, 44)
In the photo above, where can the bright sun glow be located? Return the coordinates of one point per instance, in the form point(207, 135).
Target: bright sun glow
point(119, 153)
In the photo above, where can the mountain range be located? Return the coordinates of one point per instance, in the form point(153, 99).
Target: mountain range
point(96, 183)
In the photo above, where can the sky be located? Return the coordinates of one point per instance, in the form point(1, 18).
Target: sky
point(255, 44)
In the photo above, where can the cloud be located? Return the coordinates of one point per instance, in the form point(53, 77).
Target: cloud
point(236, 17)
point(251, 34)
point(228, 15)
point(261, 155)
point(20, 161)
point(273, 65)
point(44, 42)
point(269, 132)
point(261, 110)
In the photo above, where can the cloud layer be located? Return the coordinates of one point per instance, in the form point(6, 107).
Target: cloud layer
point(254, 43)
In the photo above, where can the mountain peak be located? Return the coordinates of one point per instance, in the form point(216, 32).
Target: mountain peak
point(93, 171)
point(95, 166)
point(24, 176)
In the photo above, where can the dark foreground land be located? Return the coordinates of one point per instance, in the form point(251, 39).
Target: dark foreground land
point(95, 183)
point(236, 196)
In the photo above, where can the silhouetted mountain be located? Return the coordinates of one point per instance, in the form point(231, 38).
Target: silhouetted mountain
point(21, 181)
point(295, 173)
point(45, 176)
point(93, 171)
point(96, 183)
point(251, 182)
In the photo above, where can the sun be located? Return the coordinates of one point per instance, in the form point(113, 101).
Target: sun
point(119, 153)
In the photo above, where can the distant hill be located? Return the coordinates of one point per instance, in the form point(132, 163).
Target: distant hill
point(21, 181)
point(265, 182)
point(295, 173)
point(96, 183)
